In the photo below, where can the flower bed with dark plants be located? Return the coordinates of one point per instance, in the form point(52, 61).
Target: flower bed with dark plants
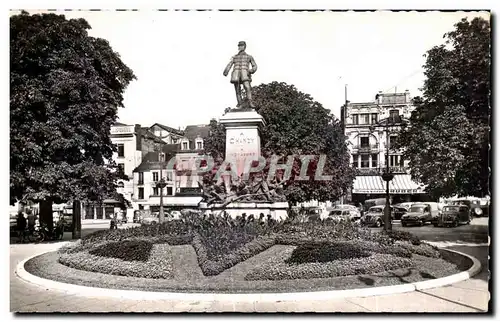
point(158, 264)
point(323, 249)
point(128, 250)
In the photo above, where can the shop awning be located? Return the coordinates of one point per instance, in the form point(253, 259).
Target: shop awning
point(176, 201)
point(401, 184)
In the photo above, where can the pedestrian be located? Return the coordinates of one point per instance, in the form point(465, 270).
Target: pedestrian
point(21, 226)
point(31, 221)
point(114, 218)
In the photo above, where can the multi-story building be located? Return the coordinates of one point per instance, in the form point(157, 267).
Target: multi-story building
point(182, 190)
point(133, 144)
point(368, 145)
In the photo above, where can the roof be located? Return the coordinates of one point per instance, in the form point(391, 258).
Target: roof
point(119, 124)
point(194, 131)
point(147, 134)
point(151, 161)
point(169, 129)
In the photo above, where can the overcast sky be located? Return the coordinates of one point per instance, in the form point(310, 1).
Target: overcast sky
point(178, 57)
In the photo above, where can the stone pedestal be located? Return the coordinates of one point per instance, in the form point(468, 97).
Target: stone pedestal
point(242, 137)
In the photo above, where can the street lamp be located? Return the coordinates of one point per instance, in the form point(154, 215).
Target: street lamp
point(387, 124)
point(160, 185)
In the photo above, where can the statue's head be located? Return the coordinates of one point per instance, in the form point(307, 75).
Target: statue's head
point(242, 46)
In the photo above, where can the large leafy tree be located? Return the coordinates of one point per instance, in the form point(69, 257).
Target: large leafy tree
point(297, 125)
point(65, 88)
point(447, 143)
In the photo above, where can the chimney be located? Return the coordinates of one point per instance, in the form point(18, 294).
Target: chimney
point(378, 97)
point(407, 96)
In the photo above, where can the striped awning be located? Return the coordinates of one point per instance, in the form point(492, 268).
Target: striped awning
point(400, 184)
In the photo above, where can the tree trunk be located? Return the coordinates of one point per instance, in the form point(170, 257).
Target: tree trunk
point(46, 216)
point(77, 220)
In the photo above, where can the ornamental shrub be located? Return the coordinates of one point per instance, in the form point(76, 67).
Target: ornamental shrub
point(128, 250)
point(326, 252)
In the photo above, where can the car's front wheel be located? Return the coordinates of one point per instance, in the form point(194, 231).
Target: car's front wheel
point(378, 223)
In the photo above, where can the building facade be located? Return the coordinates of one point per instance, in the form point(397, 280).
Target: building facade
point(174, 164)
point(368, 144)
point(133, 143)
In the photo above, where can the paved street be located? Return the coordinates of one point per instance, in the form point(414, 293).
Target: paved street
point(467, 296)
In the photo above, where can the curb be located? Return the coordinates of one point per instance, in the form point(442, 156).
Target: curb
point(245, 297)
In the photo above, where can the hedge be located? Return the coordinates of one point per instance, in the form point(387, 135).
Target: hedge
point(326, 252)
point(159, 264)
point(278, 269)
point(128, 250)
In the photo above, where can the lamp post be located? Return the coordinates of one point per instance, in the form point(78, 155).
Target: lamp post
point(160, 185)
point(387, 176)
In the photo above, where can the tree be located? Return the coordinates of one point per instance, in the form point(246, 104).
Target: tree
point(65, 88)
point(297, 125)
point(447, 143)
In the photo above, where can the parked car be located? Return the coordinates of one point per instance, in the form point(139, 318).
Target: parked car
point(344, 214)
point(418, 214)
point(150, 219)
point(354, 211)
point(375, 216)
point(473, 205)
point(373, 202)
point(399, 211)
point(453, 215)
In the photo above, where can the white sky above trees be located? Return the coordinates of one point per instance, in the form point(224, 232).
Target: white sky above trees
point(178, 57)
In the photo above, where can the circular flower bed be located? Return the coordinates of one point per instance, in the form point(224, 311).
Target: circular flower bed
point(315, 250)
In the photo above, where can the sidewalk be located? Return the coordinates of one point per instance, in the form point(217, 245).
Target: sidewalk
point(467, 296)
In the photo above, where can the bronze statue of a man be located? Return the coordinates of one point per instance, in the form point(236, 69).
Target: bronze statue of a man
point(242, 74)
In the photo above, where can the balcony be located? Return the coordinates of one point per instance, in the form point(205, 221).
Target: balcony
point(380, 170)
point(365, 148)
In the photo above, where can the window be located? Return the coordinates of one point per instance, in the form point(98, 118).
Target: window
point(392, 140)
point(184, 145)
point(141, 193)
point(168, 176)
point(121, 150)
point(374, 160)
point(155, 176)
point(364, 141)
point(170, 191)
point(374, 118)
point(89, 212)
point(121, 168)
point(355, 119)
point(99, 214)
point(141, 177)
point(108, 212)
point(365, 161)
point(141, 207)
point(155, 191)
point(394, 160)
point(355, 161)
point(364, 119)
point(121, 184)
point(199, 145)
point(394, 116)
point(174, 140)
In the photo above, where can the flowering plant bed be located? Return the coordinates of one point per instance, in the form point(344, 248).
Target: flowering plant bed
point(318, 249)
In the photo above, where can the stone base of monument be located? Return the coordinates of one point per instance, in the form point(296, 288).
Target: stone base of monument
point(277, 210)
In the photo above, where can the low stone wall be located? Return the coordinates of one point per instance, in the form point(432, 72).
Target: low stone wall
point(277, 210)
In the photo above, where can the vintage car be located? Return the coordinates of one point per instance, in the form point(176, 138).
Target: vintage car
point(453, 215)
point(399, 211)
point(473, 205)
point(418, 214)
point(150, 219)
point(344, 214)
point(375, 216)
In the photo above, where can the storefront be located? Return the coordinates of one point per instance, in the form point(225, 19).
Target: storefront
point(401, 189)
point(174, 203)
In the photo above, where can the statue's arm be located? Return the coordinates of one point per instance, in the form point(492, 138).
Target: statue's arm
point(228, 67)
point(254, 65)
